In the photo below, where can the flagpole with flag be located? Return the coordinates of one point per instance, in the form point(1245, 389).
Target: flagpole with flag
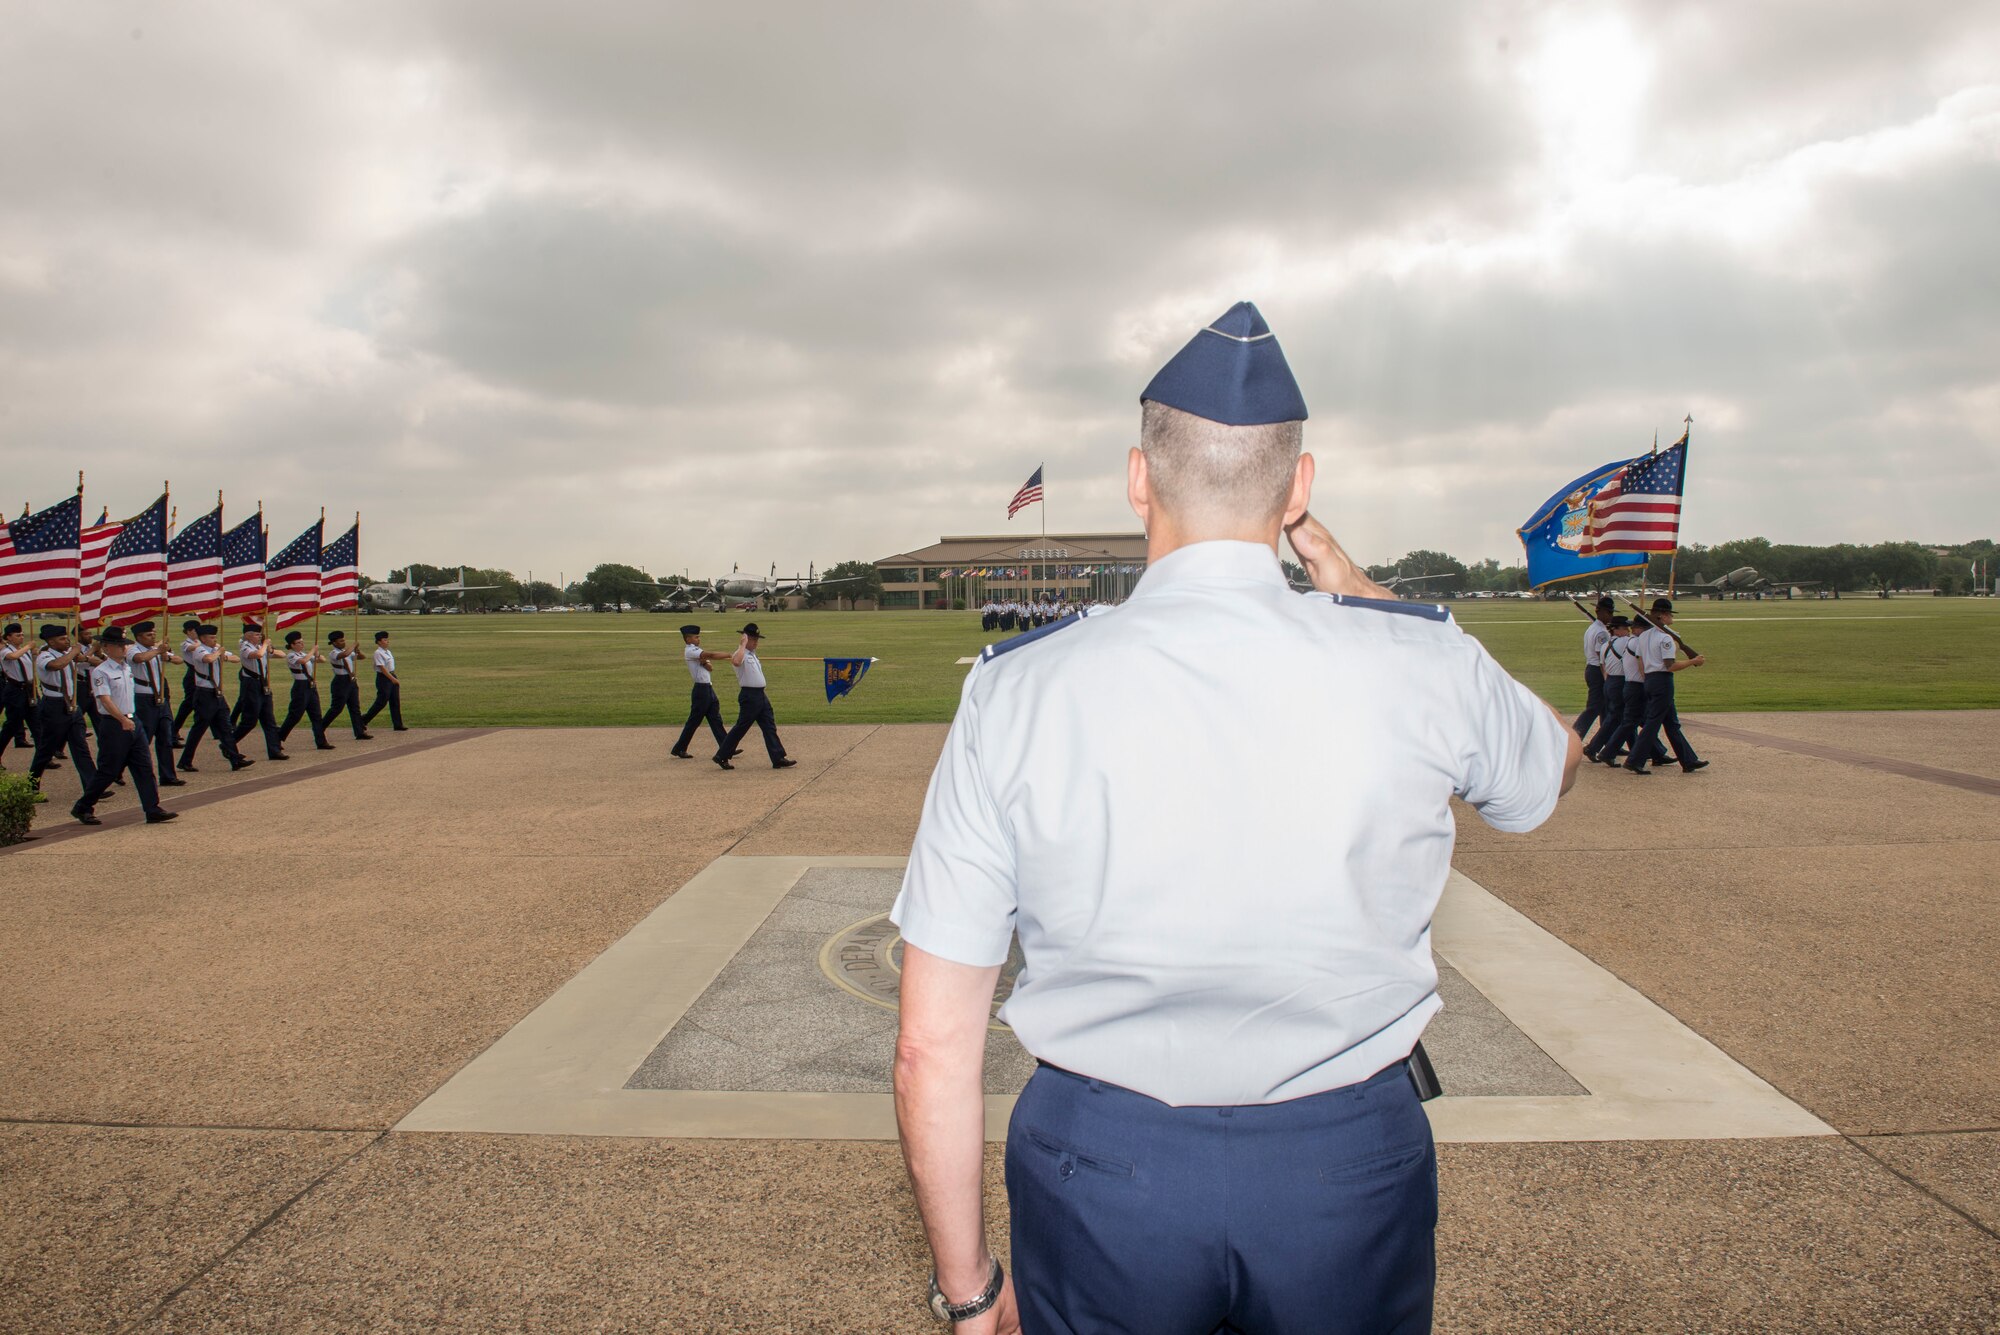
point(1673, 562)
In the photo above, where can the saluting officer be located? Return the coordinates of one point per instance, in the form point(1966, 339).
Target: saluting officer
point(1656, 652)
point(17, 693)
point(702, 703)
point(190, 640)
point(58, 716)
point(304, 661)
point(753, 706)
point(346, 692)
point(388, 686)
point(120, 746)
point(253, 695)
point(148, 659)
point(211, 713)
point(1228, 967)
point(1596, 637)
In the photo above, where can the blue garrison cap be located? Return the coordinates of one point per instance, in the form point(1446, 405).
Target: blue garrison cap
point(1232, 372)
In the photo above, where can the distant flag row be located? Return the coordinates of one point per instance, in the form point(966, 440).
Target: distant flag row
point(114, 573)
point(1050, 572)
point(1610, 519)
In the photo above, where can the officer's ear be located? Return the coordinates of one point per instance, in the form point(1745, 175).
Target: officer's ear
point(1299, 499)
point(1139, 487)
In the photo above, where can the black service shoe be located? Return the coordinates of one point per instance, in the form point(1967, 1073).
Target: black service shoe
point(1699, 764)
point(161, 817)
point(785, 763)
point(241, 762)
point(186, 768)
point(173, 783)
point(722, 762)
point(399, 730)
point(323, 746)
point(85, 817)
point(1639, 770)
point(680, 755)
point(278, 755)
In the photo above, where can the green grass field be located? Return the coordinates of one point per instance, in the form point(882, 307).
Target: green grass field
point(569, 669)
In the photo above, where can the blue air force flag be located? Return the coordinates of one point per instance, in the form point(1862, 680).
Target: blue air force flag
point(843, 675)
point(1555, 538)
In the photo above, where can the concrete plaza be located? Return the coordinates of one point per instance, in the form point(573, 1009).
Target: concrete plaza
point(540, 1030)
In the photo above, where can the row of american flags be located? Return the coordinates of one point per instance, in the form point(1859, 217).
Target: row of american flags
point(1049, 572)
point(115, 572)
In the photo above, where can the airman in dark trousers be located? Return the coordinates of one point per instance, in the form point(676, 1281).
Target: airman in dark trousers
point(253, 698)
point(304, 664)
point(388, 686)
point(58, 716)
point(753, 706)
point(346, 693)
point(190, 639)
point(703, 707)
point(120, 746)
point(211, 713)
point(17, 692)
point(1656, 651)
point(148, 659)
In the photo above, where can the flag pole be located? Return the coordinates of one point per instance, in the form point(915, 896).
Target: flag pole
point(322, 575)
point(357, 601)
point(1673, 562)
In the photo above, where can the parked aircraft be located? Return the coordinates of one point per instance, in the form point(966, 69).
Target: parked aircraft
point(413, 597)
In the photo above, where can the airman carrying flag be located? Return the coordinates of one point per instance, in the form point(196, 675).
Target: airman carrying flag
point(843, 675)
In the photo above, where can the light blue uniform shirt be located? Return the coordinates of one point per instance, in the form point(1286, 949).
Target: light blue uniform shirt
point(1656, 649)
point(1219, 817)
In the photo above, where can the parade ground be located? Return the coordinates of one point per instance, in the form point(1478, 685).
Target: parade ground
point(534, 1029)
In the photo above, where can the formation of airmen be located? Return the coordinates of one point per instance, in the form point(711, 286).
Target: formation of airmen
point(118, 683)
point(1018, 616)
point(1628, 674)
point(753, 705)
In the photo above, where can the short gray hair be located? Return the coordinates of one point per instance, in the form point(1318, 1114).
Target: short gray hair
point(1201, 468)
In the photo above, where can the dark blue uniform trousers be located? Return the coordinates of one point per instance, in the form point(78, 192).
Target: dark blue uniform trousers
point(1627, 731)
point(703, 707)
point(57, 727)
point(753, 710)
point(1132, 1216)
point(1614, 713)
point(119, 751)
point(345, 695)
point(1661, 717)
point(1593, 699)
point(254, 709)
point(186, 711)
point(156, 729)
point(210, 715)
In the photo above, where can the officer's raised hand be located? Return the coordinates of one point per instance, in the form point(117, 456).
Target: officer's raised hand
point(1327, 565)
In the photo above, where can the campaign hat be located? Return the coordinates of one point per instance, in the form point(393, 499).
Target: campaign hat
point(751, 629)
point(1232, 372)
point(51, 629)
point(111, 635)
point(1662, 605)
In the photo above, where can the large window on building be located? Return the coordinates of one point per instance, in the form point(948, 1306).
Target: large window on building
point(898, 575)
point(899, 597)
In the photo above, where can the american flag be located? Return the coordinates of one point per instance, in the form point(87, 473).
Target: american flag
point(194, 566)
point(340, 572)
point(40, 559)
point(291, 579)
point(243, 549)
point(135, 569)
point(1640, 509)
point(90, 581)
point(1030, 492)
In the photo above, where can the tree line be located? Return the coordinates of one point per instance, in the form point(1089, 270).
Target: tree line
point(1948, 568)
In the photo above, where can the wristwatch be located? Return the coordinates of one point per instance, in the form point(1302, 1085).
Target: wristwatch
point(957, 1312)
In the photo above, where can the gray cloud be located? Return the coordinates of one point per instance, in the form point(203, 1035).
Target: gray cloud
point(541, 286)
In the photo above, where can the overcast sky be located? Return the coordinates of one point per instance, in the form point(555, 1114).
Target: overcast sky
point(537, 285)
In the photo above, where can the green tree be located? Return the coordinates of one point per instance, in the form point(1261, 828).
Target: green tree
point(612, 583)
point(541, 593)
point(866, 583)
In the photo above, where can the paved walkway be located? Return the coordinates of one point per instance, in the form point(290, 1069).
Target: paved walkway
point(212, 1028)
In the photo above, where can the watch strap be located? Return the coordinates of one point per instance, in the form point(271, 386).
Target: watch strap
point(965, 1311)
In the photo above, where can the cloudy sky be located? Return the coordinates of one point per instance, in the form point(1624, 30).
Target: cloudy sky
point(537, 285)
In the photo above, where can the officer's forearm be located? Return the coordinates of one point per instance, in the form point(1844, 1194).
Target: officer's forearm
point(941, 1109)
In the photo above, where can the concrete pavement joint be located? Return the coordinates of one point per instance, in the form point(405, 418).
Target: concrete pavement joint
point(269, 1219)
point(826, 769)
point(256, 1127)
point(1950, 778)
point(1855, 1141)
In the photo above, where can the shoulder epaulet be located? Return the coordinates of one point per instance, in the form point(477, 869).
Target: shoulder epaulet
point(999, 647)
point(1428, 611)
